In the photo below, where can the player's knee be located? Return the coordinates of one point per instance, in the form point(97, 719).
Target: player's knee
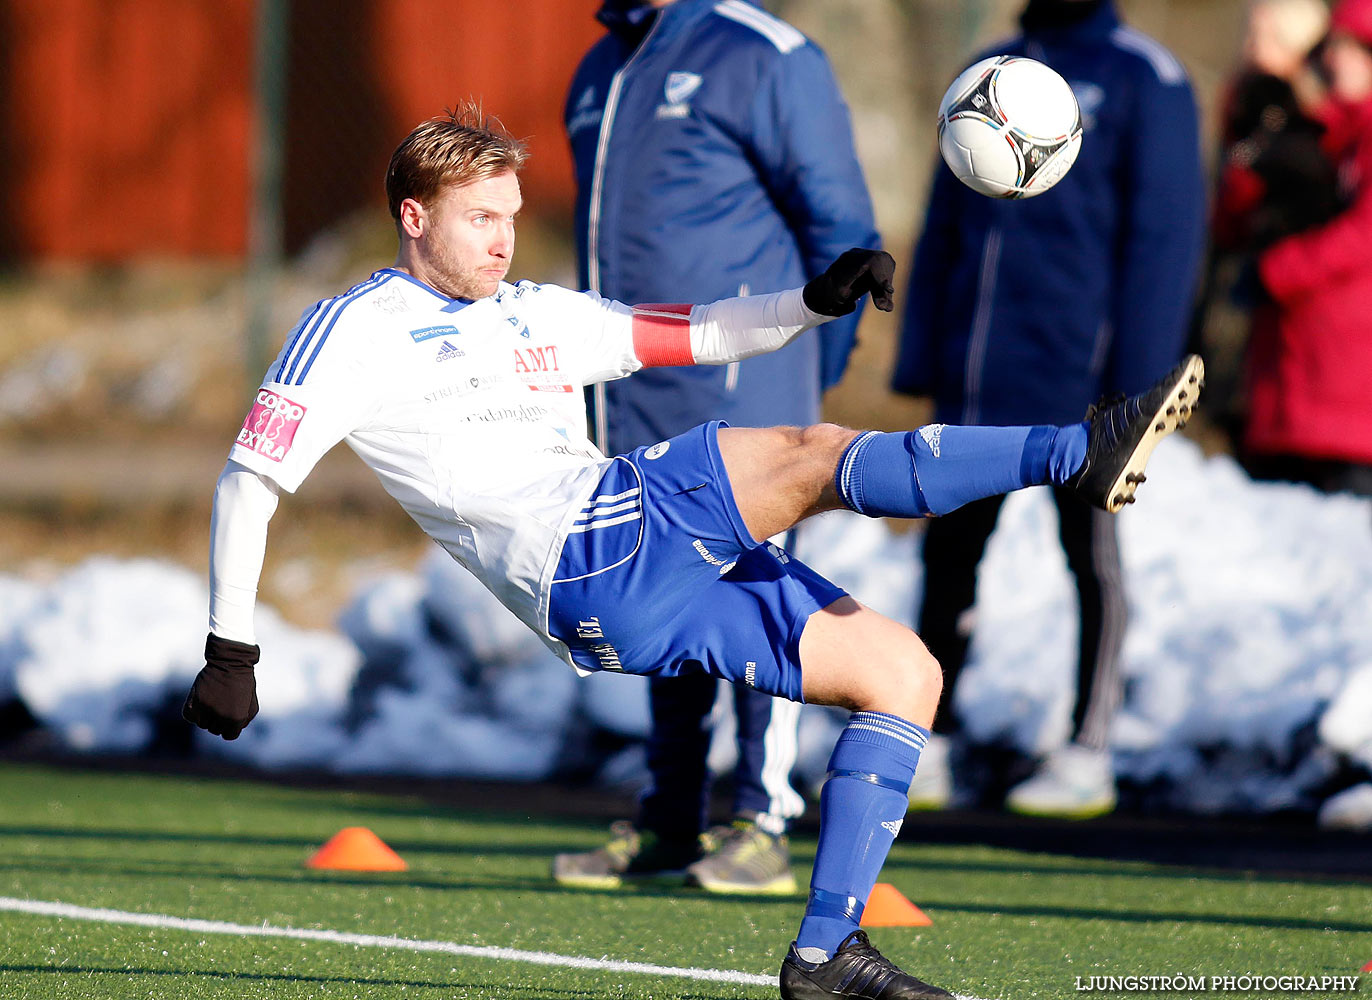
point(810, 453)
point(908, 685)
point(824, 439)
point(926, 678)
point(857, 659)
point(819, 446)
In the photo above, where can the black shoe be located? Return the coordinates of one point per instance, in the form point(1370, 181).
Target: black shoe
point(857, 970)
point(1124, 431)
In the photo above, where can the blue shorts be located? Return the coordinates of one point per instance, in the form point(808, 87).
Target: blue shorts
point(661, 576)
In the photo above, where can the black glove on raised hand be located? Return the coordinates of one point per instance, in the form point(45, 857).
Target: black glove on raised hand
point(838, 290)
point(223, 698)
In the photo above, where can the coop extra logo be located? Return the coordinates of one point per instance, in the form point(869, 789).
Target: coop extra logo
point(271, 424)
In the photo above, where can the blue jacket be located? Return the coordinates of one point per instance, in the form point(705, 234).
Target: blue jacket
point(1027, 311)
point(714, 156)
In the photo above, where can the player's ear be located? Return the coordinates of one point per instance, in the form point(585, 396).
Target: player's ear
point(414, 219)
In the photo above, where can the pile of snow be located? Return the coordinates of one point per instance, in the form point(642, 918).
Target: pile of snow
point(105, 650)
point(1251, 611)
point(1248, 660)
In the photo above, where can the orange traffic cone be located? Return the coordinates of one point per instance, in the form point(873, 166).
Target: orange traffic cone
point(357, 849)
point(886, 907)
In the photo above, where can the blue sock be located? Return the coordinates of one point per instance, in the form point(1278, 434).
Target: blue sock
point(860, 811)
point(940, 467)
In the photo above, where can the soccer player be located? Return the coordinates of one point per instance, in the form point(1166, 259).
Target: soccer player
point(461, 392)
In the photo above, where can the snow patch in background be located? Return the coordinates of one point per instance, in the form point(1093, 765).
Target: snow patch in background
point(1248, 661)
point(95, 653)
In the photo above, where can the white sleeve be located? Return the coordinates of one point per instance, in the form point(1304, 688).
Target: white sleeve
point(734, 329)
point(720, 332)
point(609, 339)
point(244, 503)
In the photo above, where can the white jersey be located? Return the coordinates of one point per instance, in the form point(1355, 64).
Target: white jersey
point(470, 413)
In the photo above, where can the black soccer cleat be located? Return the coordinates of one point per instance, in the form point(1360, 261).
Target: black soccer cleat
point(1125, 430)
point(858, 971)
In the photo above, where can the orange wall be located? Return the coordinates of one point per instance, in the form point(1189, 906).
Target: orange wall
point(517, 58)
point(126, 125)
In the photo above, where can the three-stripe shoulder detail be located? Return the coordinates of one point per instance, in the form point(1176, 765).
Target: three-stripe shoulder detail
point(778, 32)
point(1167, 66)
point(310, 337)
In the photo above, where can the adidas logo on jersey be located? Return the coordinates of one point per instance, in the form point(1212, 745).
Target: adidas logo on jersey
point(892, 826)
point(447, 352)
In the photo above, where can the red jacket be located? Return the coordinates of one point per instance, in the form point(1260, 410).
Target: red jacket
point(1310, 378)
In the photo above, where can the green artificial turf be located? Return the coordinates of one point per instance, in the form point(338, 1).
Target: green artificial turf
point(1006, 924)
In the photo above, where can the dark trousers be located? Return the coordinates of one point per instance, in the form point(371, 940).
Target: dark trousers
point(676, 806)
point(953, 547)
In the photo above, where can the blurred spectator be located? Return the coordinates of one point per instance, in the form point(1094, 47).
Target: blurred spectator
point(1026, 312)
point(1273, 179)
point(714, 157)
point(1310, 408)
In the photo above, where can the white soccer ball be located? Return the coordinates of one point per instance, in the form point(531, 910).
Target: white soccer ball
point(1009, 127)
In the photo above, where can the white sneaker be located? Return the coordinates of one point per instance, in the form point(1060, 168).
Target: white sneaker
point(1075, 782)
point(932, 787)
point(1350, 809)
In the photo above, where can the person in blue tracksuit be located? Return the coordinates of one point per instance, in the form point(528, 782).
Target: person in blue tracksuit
point(1030, 310)
point(714, 157)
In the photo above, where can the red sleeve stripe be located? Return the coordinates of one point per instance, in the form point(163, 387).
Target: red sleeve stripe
point(662, 335)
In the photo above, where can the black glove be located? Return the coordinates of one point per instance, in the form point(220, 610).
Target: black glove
point(223, 698)
point(838, 290)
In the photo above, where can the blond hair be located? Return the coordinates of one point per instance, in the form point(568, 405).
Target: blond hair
point(462, 145)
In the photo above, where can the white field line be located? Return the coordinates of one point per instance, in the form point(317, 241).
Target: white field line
point(69, 912)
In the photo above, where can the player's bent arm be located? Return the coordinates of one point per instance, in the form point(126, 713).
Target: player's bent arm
point(734, 329)
point(724, 331)
point(244, 503)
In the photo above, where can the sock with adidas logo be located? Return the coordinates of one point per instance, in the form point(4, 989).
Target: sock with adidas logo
point(939, 467)
point(860, 812)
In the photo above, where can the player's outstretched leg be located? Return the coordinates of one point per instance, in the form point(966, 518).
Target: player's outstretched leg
point(781, 475)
